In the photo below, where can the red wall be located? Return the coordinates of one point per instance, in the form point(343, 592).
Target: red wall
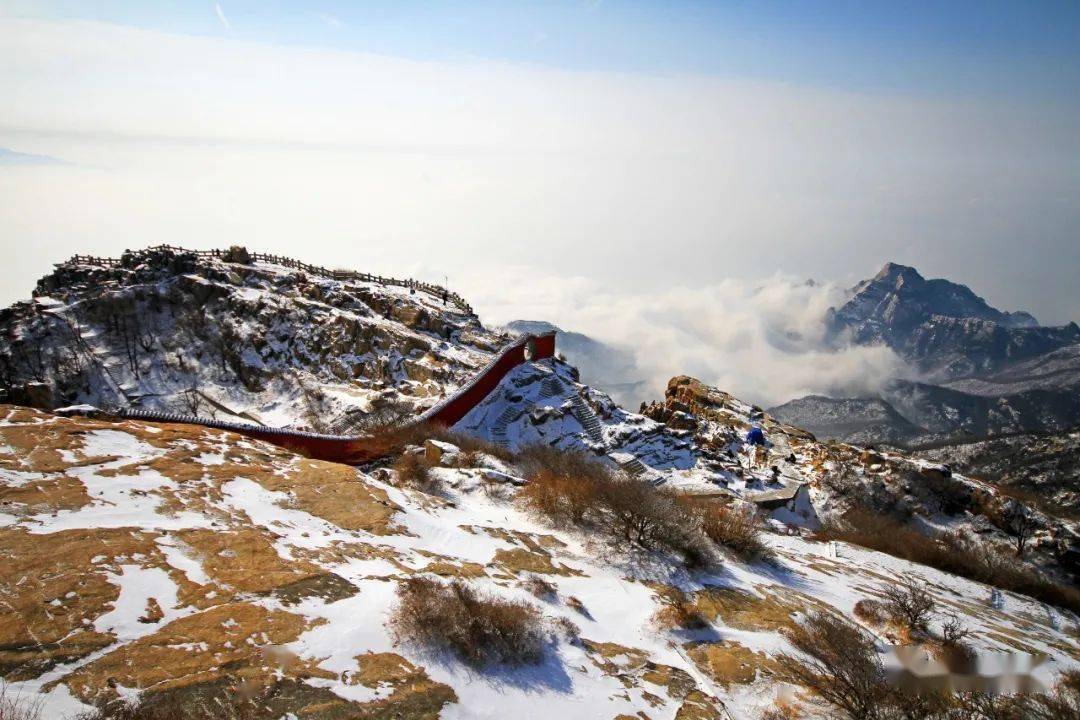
point(353, 451)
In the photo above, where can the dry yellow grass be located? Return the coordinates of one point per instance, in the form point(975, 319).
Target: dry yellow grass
point(234, 641)
point(413, 694)
point(730, 662)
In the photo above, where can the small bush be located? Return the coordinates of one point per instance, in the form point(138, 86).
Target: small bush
point(1061, 703)
point(539, 588)
point(18, 706)
point(391, 417)
point(568, 630)
point(563, 500)
point(845, 671)
point(480, 630)
point(871, 612)
point(780, 712)
point(413, 472)
point(739, 529)
point(536, 458)
point(1064, 702)
point(470, 444)
point(677, 610)
point(952, 647)
point(909, 603)
point(843, 667)
point(573, 489)
point(953, 553)
point(579, 607)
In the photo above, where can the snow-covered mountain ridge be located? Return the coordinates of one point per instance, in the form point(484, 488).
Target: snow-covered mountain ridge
point(259, 341)
point(942, 328)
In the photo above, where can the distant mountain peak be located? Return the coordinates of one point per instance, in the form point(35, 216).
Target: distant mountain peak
point(901, 292)
point(942, 327)
point(893, 271)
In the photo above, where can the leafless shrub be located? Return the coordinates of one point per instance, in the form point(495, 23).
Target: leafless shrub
point(568, 630)
point(780, 712)
point(953, 631)
point(536, 458)
point(952, 647)
point(574, 489)
point(470, 444)
point(480, 630)
point(678, 611)
point(871, 612)
point(412, 471)
point(191, 400)
point(1022, 526)
point(951, 552)
point(579, 607)
point(1063, 703)
point(18, 706)
point(736, 528)
point(564, 487)
point(843, 668)
point(909, 602)
point(382, 419)
point(539, 587)
point(844, 671)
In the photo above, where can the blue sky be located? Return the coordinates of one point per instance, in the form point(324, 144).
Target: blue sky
point(976, 47)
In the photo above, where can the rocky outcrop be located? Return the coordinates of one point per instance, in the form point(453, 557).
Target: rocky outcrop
point(176, 332)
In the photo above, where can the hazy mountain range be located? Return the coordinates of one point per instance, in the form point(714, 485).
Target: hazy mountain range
point(982, 371)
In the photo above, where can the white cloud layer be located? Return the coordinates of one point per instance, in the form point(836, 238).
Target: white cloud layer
point(613, 190)
point(762, 341)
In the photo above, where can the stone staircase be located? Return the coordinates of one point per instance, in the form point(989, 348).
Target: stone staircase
point(550, 387)
point(637, 469)
point(498, 428)
point(593, 429)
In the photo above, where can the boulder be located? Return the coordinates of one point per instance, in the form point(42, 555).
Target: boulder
point(33, 394)
point(437, 452)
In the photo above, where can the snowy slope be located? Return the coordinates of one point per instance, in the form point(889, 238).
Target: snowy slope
point(158, 558)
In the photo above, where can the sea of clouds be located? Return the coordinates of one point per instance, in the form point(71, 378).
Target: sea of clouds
point(764, 340)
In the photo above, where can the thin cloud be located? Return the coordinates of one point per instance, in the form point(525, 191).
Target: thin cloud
point(331, 21)
point(222, 17)
point(13, 157)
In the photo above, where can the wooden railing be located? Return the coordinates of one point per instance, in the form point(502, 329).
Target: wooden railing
point(437, 291)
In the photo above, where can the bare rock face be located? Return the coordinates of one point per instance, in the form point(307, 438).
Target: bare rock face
point(33, 394)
